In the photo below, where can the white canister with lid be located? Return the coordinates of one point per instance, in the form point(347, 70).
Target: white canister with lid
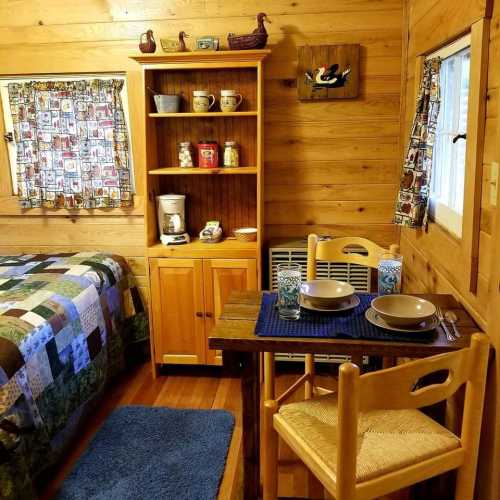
point(171, 213)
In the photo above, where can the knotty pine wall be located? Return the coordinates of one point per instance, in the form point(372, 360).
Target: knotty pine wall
point(331, 167)
point(429, 267)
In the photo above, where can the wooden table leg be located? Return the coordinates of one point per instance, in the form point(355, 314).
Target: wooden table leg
point(250, 393)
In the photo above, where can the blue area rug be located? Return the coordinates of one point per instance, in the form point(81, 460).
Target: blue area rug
point(153, 453)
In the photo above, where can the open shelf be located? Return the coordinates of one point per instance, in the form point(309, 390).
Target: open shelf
point(209, 114)
point(203, 171)
point(227, 248)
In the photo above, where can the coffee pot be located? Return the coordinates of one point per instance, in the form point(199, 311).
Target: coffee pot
point(171, 218)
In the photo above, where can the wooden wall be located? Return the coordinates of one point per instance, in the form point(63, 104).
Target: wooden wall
point(330, 167)
point(429, 267)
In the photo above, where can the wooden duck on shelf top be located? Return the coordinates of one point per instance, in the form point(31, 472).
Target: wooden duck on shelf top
point(255, 40)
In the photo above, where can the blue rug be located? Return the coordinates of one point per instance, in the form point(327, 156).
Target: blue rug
point(153, 453)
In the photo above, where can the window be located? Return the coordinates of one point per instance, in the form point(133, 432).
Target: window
point(4, 95)
point(448, 170)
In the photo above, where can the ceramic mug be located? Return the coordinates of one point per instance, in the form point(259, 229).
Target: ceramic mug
point(229, 100)
point(202, 101)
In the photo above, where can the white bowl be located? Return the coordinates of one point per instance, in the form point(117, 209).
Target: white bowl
point(325, 293)
point(403, 310)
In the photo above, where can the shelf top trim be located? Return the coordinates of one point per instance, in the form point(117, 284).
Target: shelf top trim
point(202, 56)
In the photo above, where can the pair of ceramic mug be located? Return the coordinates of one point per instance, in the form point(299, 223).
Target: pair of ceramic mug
point(203, 101)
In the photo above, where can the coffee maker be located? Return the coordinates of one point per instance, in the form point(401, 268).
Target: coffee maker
point(171, 219)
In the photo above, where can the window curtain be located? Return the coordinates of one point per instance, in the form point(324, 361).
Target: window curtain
point(72, 144)
point(413, 196)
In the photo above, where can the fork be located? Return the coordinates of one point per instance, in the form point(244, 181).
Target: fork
point(449, 335)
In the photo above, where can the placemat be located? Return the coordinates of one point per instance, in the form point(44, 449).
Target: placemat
point(348, 324)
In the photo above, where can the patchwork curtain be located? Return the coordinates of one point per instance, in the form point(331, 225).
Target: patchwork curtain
point(72, 144)
point(413, 196)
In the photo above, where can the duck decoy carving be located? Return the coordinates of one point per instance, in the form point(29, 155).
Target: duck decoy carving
point(327, 77)
point(175, 44)
point(149, 46)
point(255, 40)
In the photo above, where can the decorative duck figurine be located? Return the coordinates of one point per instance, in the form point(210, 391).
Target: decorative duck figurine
point(255, 40)
point(175, 44)
point(328, 77)
point(149, 46)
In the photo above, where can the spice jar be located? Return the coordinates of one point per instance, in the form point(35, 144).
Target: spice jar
point(231, 154)
point(185, 155)
point(208, 154)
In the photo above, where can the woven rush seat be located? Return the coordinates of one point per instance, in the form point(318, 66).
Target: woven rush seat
point(387, 439)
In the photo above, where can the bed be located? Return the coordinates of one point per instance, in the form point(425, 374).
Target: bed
point(65, 320)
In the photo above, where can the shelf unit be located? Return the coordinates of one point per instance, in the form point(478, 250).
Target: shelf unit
point(201, 274)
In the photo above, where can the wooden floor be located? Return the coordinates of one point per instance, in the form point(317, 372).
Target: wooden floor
point(188, 387)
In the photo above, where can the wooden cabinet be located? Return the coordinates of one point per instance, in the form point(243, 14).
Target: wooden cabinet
point(178, 310)
point(187, 296)
point(189, 283)
point(221, 277)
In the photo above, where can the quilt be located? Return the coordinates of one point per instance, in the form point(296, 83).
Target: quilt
point(65, 320)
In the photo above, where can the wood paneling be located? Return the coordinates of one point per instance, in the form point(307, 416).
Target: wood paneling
point(309, 147)
point(432, 261)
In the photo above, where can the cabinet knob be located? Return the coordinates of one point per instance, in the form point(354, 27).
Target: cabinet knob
point(209, 315)
point(199, 314)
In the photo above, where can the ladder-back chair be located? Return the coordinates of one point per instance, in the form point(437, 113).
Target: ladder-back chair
point(371, 439)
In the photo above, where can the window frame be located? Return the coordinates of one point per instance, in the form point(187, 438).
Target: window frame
point(466, 249)
point(442, 214)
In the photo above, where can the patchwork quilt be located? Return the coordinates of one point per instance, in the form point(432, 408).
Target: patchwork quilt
point(64, 321)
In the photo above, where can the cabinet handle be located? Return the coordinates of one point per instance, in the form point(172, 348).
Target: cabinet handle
point(209, 315)
point(199, 314)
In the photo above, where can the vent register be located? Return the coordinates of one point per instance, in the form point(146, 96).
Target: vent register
point(296, 252)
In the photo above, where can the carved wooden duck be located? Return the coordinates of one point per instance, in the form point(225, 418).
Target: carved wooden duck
point(175, 44)
point(149, 46)
point(255, 40)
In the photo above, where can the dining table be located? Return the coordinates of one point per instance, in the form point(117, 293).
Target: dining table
point(234, 334)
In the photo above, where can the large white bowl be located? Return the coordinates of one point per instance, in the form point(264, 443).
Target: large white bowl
point(326, 292)
point(401, 310)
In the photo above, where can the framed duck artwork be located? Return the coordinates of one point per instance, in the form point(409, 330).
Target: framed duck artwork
point(328, 72)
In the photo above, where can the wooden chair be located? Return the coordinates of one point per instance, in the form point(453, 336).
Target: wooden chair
point(334, 250)
point(370, 439)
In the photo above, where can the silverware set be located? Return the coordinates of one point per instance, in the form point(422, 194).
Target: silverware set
point(451, 318)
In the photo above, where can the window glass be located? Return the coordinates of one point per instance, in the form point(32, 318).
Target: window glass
point(448, 173)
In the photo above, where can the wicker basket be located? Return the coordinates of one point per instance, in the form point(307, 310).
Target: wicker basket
point(246, 234)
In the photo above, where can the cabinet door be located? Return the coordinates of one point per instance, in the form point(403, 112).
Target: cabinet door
point(222, 276)
point(178, 310)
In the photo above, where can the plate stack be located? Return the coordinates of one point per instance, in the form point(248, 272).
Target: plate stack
point(327, 295)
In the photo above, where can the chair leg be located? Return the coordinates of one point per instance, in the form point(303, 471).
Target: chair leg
point(270, 453)
point(269, 377)
point(309, 369)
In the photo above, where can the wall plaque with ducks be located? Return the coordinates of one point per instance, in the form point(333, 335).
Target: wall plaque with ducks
point(328, 72)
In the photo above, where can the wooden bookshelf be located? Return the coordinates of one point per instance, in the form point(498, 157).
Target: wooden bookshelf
point(189, 283)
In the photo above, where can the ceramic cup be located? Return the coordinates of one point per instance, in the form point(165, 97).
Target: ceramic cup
point(167, 103)
point(202, 101)
point(229, 100)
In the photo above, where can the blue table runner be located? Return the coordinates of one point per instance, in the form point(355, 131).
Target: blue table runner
point(350, 324)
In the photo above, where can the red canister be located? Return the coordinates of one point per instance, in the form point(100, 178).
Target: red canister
point(208, 154)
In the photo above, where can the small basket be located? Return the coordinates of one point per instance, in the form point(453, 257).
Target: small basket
point(246, 234)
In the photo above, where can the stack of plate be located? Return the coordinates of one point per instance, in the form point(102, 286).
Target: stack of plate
point(402, 313)
point(327, 295)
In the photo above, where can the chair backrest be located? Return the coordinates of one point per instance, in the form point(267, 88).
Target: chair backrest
point(340, 250)
point(394, 388)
